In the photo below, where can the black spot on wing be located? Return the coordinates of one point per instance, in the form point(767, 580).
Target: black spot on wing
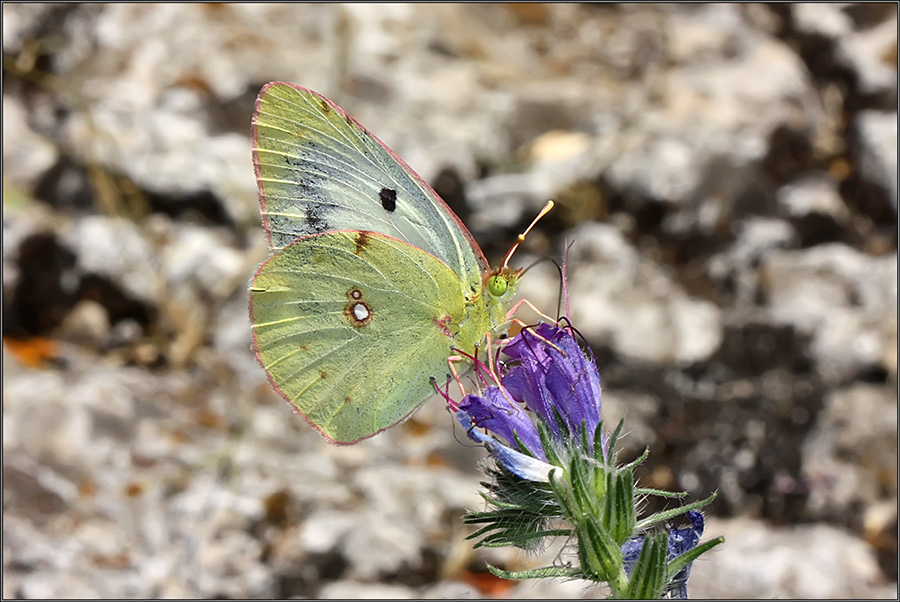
point(309, 206)
point(309, 218)
point(316, 221)
point(388, 197)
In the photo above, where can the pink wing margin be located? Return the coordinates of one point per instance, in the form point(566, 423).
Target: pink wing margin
point(476, 250)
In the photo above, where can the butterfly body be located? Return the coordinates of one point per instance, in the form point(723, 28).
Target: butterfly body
point(373, 282)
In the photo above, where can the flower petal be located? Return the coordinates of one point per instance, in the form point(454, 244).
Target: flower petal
point(574, 384)
point(552, 376)
point(521, 465)
point(526, 383)
point(497, 412)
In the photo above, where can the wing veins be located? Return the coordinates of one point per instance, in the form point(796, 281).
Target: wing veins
point(449, 227)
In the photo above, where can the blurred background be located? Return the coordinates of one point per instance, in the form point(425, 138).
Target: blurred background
point(726, 174)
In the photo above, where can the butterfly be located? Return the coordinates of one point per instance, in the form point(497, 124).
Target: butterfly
point(373, 283)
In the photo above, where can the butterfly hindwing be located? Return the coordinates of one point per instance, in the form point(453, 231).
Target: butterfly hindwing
point(351, 326)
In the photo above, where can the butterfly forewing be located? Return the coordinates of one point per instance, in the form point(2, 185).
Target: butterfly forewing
point(318, 170)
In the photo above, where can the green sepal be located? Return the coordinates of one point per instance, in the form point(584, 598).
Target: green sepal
point(648, 578)
point(613, 440)
point(547, 443)
point(507, 527)
point(547, 571)
point(522, 447)
point(524, 541)
point(561, 491)
point(583, 434)
point(682, 560)
point(640, 459)
point(623, 513)
point(666, 515)
point(598, 443)
point(599, 554)
point(522, 511)
point(660, 492)
point(586, 496)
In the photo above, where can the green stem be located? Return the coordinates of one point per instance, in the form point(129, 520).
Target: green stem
point(619, 584)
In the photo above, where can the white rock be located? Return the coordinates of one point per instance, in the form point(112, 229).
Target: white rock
point(26, 155)
point(852, 446)
point(500, 200)
point(843, 298)
point(619, 296)
point(200, 257)
point(382, 544)
point(357, 590)
point(826, 19)
point(755, 238)
point(815, 193)
point(324, 531)
point(715, 107)
point(87, 323)
point(117, 249)
point(869, 53)
point(878, 150)
point(759, 561)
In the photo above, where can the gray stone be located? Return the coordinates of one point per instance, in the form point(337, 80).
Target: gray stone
point(755, 238)
point(878, 150)
point(356, 590)
point(625, 300)
point(117, 249)
point(813, 193)
point(872, 54)
point(826, 19)
point(714, 107)
point(26, 155)
point(849, 460)
point(807, 561)
point(846, 300)
point(87, 323)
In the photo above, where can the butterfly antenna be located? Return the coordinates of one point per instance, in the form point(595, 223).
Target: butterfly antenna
point(521, 238)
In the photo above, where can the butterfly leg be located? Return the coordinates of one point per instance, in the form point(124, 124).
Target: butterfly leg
point(542, 315)
point(524, 326)
point(492, 368)
point(450, 362)
point(492, 362)
point(445, 393)
point(512, 320)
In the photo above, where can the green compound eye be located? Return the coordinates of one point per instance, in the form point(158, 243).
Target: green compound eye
point(497, 286)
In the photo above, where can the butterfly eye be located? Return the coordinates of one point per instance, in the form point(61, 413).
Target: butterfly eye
point(497, 286)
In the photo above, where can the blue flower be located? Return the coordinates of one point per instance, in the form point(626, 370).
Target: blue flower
point(680, 541)
point(549, 376)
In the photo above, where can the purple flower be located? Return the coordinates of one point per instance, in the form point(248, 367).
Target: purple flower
point(551, 376)
point(554, 377)
point(497, 412)
point(521, 465)
point(680, 541)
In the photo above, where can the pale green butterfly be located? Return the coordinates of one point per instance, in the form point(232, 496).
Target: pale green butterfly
point(373, 282)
